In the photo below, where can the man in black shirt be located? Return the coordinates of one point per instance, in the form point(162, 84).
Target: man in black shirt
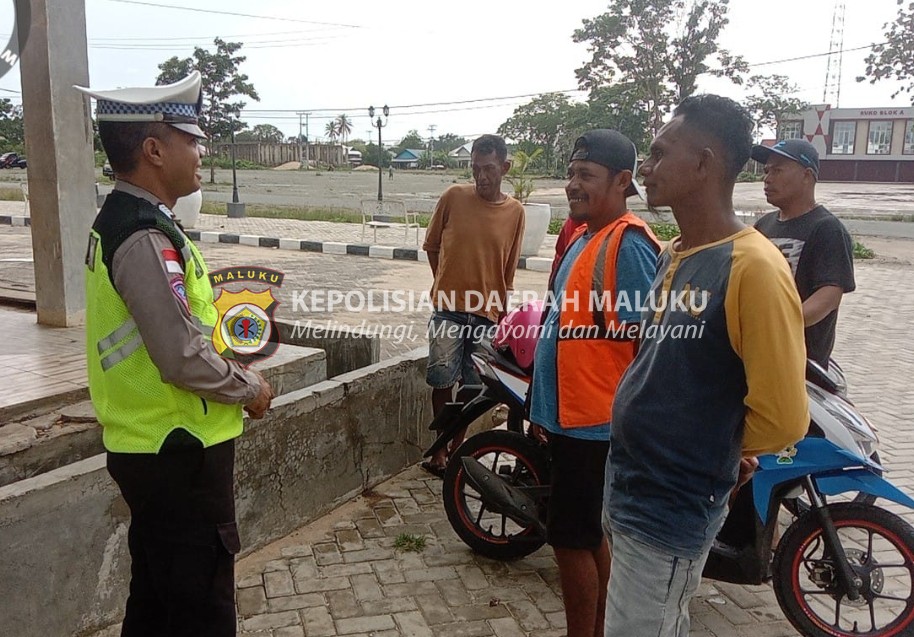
point(815, 243)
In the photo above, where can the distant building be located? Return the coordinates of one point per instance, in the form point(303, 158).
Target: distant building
point(461, 155)
point(858, 144)
point(409, 158)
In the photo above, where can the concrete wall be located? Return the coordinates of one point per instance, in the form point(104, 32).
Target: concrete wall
point(69, 434)
point(65, 566)
point(345, 352)
point(268, 154)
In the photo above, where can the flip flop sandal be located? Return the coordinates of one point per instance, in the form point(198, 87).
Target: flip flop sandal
point(435, 470)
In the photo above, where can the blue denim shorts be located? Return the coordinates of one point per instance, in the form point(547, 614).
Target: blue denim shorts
point(649, 590)
point(452, 337)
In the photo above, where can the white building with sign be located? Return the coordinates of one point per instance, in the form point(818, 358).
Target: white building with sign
point(858, 144)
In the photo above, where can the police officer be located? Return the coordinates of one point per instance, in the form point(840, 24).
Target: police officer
point(169, 404)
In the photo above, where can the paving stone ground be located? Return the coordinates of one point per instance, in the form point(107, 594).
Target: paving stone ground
point(341, 574)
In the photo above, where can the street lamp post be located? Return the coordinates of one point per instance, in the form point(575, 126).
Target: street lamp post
point(234, 174)
point(235, 209)
point(379, 124)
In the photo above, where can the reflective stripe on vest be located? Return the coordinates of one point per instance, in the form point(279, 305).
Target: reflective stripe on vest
point(116, 336)
point(117, 355)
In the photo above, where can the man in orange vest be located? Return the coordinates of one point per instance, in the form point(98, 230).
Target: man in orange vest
point(588, 339)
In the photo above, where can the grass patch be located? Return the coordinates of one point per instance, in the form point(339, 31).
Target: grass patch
point(746, 176)
point(10, 194)
point(308, 213)
point(664, 231)
point(892, 217)
point(226, 163)
point(862, 252)
point(340, 215)
point(410, 543)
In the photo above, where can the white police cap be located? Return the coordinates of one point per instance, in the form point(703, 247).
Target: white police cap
point(175, 104)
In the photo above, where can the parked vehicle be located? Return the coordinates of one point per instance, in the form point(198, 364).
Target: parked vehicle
point(107, 171)
point(840, 568)
point(12, 160)
point(504, 368)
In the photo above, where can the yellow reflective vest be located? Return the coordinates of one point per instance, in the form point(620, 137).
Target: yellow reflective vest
point(136, 409)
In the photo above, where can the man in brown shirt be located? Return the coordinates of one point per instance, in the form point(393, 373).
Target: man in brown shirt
point(473, 243)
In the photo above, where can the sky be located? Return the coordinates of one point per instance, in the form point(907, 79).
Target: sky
point(460, 67)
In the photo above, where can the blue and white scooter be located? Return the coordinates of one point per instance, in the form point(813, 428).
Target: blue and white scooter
point(839, 568)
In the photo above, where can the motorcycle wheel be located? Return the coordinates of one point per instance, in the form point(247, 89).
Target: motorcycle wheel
point(519, 461)
point(880, 549)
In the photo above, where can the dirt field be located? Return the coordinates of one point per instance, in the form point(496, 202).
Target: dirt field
point(421, 189)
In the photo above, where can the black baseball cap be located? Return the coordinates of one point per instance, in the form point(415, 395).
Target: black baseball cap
point(612, 149)
point(799, 150)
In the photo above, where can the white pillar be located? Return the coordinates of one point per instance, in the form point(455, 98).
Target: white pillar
point(58, 142)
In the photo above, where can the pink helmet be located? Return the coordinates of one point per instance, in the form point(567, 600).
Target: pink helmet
point(519, 331)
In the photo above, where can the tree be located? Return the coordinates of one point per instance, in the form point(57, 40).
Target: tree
point(412, 140)
point(769, 101)
point(437, 158)
point(449, 142)
point(517, 175)
point(659, 47)
point(343, 127)
point(12, 129)
point(370, 155)
point(894, 58)
point(620, 106)
point(221, 82)
point(261, 133)
point(542, 123)
point(332, 130)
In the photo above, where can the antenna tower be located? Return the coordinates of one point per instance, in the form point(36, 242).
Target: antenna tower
point(832, 92)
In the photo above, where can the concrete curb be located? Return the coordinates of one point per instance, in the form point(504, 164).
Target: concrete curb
point(15, 220)
point(537, 264)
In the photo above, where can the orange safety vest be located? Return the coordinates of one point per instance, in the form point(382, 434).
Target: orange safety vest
point(590, 362)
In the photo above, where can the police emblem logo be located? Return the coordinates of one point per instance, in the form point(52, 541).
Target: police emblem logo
point(245, 330)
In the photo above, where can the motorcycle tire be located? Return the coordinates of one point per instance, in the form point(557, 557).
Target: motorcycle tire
point(807, 587)
point(799, 506)
point(488, 533)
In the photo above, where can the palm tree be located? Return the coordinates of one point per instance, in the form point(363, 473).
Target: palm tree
point(344, 126)
point(332, 130)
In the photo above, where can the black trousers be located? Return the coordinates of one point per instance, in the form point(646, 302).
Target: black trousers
point(182, 540)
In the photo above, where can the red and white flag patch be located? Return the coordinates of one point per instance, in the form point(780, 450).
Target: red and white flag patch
point(172, 261)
